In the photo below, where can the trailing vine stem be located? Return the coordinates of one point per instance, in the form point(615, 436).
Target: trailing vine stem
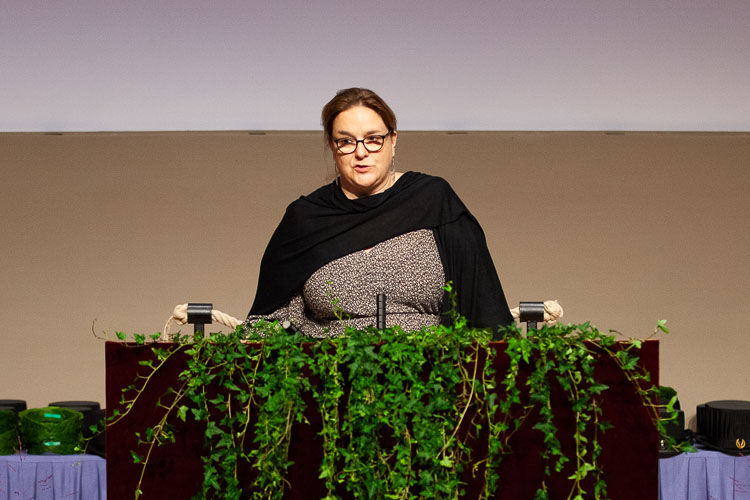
point(640, 379)
point(158, 435)
point(400, 411)
point(468, 402)
point(162, 356)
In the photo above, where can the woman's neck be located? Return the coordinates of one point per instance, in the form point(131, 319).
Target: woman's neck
point(389, 184)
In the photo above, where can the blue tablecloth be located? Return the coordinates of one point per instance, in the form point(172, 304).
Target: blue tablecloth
point(705, 475)
point(51, 477)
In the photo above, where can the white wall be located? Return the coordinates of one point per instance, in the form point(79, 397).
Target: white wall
point(94, 65)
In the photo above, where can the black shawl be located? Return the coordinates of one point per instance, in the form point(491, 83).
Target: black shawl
point(326, 225)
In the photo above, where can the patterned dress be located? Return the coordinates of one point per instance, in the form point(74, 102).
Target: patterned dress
point(407, 269)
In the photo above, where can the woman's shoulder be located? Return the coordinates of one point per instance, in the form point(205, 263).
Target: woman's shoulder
point(434, 186)
point(322, 195)
point(422, 180)
point(322, 201)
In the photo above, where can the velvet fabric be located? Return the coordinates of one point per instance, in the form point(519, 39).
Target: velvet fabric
point(629, 450)
point(326, 225)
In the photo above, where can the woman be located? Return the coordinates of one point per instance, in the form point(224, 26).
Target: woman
point(374, 230)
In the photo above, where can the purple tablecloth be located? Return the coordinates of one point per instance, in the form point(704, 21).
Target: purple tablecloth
point(706, 475)
point(51, 477)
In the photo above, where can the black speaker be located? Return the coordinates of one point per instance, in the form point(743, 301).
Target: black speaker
point(16, 404)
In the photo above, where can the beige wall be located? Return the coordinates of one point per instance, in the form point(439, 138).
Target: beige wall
point(110, 231)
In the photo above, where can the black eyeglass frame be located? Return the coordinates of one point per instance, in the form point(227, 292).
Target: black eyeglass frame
point(357, 141)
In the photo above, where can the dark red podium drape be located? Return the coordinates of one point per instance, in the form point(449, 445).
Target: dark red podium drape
point(175, 471)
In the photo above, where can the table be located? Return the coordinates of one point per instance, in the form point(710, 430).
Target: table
point(49, 477)
point(705, 475)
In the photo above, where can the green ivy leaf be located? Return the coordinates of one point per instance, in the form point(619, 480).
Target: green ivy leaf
point(662, 325)
point(598, 388)
point(182, 412)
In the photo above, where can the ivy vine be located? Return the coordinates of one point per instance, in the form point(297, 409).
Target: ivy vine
point(401, 412)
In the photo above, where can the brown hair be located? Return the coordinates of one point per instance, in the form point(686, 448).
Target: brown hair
point(348, 98)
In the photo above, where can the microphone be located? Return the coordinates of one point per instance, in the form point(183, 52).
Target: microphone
point(380, 312)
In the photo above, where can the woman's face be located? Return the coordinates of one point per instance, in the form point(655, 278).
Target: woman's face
point(362, 173)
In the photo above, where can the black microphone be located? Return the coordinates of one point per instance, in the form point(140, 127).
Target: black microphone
point(380, 312)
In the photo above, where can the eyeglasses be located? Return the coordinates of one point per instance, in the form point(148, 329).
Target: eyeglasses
point(372, 143)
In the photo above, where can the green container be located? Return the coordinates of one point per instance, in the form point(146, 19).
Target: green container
point(8, 432)
point(51, 429)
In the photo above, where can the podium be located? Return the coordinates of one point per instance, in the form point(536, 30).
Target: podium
point(629, 450)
